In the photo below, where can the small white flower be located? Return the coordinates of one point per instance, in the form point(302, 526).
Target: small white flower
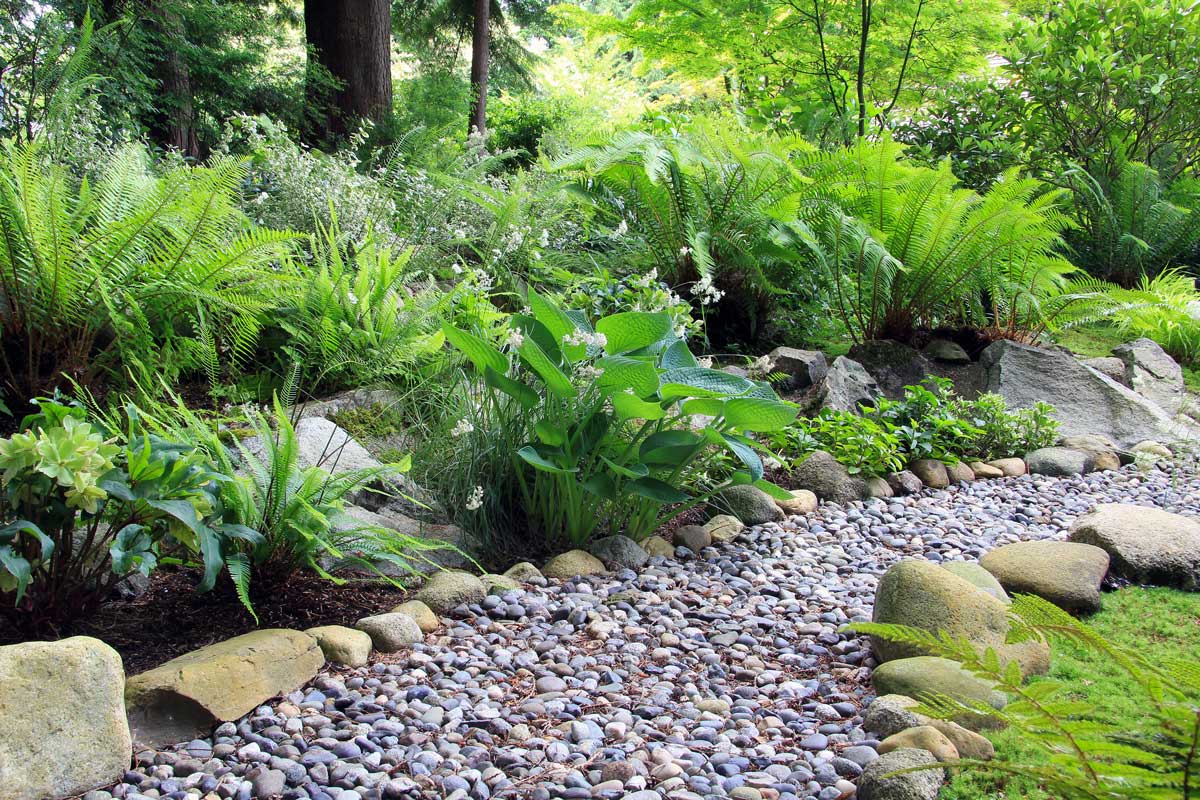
point(463, 426)
point(515, 339)
point(706, 362)
point(588, 372)
point(579, 337)
point(685, 251)
point(621, 230)
point(475, 500)
point(545, 240)
point(456, 268)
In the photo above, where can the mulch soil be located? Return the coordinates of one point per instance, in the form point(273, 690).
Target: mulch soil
point(171, 618)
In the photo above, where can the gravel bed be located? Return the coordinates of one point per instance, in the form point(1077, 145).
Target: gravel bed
point(723, 676)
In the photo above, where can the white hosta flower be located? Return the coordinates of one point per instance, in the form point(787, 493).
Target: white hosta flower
point(515, 339)
point(475, 499)
point(706, 362)
point(462, 427)
point(579, 337)
point(706, 292)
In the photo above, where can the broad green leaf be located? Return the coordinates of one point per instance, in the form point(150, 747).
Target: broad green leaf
point(654, 489)
point(622, 372)
point(549, 434)
point(700, 382)
point(704, 406)
point(601, 484)
point(535, 459)
point(480, 352)
point(527, 397)
point(18, 567)
point(627, 406)
point(745, 453)
point(556, 380)
point(635, 470)
point(776, 492)
point(633, 330)
point(678, 356)
point(669, 447)
point(757, 414)
point(557, 323)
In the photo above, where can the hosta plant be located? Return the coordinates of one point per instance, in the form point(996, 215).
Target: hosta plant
point(1087, 756)
point(82, 508)
point(618, 413)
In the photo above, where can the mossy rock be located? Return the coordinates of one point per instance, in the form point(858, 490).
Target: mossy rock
point(448, 589)
point(925, 675)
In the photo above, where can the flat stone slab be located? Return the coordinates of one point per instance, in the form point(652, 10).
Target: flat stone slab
point(185, 697)
point(1146, 545)
point(1067, 574)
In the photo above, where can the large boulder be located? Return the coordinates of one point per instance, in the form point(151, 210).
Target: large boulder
point(447, 590)
point(1085, 401)
point(750, 504)
point(928, 675)
point(185, 697)
point(822, 475)
point(978, 577)
point(931, 472)
point(945, 351)
point(573, 563)
point(805, 368)
point(1058, 462)
point(1152, 373)
point(896, 776)
point(1067, 574)
point(64, 730)
point(848, 387)
point(620, 551)
point(1110, 367)
point(1145, 545)
point(922, 595)
point(892, 365)
point(392, 631)
point(342, 645)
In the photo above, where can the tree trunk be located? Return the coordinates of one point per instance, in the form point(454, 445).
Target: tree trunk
point(349, 74)
point(861, 77)
point(480, 47)
point(176, 124)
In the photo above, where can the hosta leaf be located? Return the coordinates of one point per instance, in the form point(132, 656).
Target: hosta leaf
point(655, 489)
point(622, 372)
point(537, 461)
point(626, 406)
point(557, 323)
point(549, 434)
point(701, 382)
point(546, 368)
point(757, 414)
point(601, 484)
point(669, 447)
point(635, 470)
point(745, 454)
point(480, 352)
point(633, 330)
point(678, 356)
point(527, 397)
point(704, 406)
point(776, 492)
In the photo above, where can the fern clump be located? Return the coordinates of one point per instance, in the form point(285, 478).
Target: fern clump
point(1087, 756)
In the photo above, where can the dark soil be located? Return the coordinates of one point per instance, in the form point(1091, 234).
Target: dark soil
point(171, 618)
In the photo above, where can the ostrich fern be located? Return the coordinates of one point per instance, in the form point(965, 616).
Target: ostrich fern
point(94, 276)
point(1156, 757)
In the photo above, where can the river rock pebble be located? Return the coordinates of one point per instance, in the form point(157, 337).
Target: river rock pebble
point(721, 674)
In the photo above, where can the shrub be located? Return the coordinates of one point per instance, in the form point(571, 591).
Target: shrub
point(81, 510)
point(862, 445)
point(926, 421)
point(612, 415)
point(1001, 432)
point(519, 123)
point(1152, 754)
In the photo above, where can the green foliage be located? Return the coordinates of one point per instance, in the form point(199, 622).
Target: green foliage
point(82, 508)
point(359, 320)
point(519, 122)
point(1001, 432)
point(862, 445)
point(909, 249)
point(1108, 82)
point(104, 276)
point(609, 412)
point(1164, 308)
point(1128, 227)
point(713, 210)
point(927, 423)
point(1083, 754)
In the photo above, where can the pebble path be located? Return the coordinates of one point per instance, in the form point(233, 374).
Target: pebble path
point(718, 676)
